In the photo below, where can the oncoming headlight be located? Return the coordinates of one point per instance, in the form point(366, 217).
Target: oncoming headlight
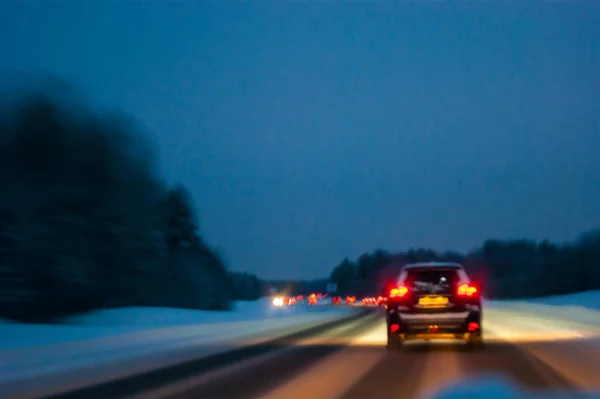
point(278, 301)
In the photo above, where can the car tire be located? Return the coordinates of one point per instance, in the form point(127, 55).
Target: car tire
point(475, 342)
point(394, 342)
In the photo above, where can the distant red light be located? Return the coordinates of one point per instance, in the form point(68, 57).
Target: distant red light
point(473, 326)
point(394, 328)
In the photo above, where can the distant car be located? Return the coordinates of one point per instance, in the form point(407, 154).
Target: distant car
point(278, 301)
point(434, 300)
point(312, 299)
point(336, 300)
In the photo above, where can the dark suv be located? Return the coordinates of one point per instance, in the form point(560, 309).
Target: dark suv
point(434, 301)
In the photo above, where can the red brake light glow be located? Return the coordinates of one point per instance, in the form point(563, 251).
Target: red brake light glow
point(394, 328)
point(398, 292)
point(473, 326)
point(466, 290)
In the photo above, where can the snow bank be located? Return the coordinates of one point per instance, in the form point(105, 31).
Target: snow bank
point(500, 388)
point(130, 337)
point(582, 308)
point(588, 299)
point(544, 319)
point(23, 362)
point(150, 317)
point(105, 323)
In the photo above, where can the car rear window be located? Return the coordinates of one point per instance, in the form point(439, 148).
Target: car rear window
point(425, 280)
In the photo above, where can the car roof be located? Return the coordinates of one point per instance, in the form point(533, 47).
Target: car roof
point(425, 265)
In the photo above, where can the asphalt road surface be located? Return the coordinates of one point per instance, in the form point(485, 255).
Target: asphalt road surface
point(350, 362)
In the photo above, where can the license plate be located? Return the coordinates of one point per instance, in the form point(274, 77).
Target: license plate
point(433, 301)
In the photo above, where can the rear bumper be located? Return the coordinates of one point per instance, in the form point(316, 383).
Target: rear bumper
point(452, 323)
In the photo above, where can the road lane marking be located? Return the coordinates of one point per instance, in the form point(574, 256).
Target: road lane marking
point(555, 343)
point(517, 327)
point(192, 382)
point(332, 376)
point(442, 368)
point(576, 361)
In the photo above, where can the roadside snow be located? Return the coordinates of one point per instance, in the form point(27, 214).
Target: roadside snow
point(587, 299)
point(104, 323)
point(106, 338)
point(148, 317)
point(556, 320)
point(581, 308)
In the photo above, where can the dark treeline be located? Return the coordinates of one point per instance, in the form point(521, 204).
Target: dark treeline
point(85, 223)
point(504, 269)
point(246, 287)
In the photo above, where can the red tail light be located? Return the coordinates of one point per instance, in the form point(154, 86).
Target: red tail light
point(398, 292)
point(394, 328)
point(467, 290)
point(473, 326)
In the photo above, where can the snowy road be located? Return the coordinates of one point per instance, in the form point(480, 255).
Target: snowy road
point(540, 354)
point(532, 349)
point(350, 362)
